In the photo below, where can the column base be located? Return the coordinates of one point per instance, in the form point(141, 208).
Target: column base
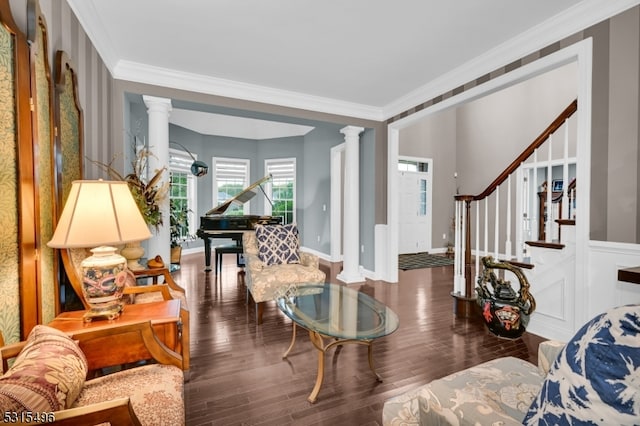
point(465, 307)
point(350, 279)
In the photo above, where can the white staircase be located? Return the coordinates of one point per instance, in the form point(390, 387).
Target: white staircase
point(509, 221)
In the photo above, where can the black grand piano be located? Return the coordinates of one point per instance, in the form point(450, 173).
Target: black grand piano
point(215, 224)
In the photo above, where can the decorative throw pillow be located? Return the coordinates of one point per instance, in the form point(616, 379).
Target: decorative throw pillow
point(278, 244)
point(47, 375)
point(596, 378)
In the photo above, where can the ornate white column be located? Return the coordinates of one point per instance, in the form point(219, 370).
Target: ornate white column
point(158, 110)
point(351, 250)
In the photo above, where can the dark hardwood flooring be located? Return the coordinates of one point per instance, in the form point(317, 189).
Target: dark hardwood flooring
point(238, 376)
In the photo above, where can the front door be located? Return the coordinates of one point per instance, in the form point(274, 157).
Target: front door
point(415, 209)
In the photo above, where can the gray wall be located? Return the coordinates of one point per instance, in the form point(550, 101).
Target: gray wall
point(314, 166)
point(95, 84)
point(435, 137)
point(479, 139)
point(317, 175)
point(616, 104)
point(494, 130)
point(623, 155)
point(312, 153)
point(615, 132)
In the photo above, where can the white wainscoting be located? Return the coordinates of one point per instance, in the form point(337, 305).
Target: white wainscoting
point(553, 285)
point(559, 315)
point(604, 291)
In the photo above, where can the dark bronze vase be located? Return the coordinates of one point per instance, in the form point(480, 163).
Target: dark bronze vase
point(505, 311)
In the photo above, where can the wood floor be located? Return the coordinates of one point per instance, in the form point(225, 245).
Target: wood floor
point(238, 376)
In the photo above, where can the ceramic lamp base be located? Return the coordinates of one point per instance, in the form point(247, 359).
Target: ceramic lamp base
point(109, 313)
point(103, 278)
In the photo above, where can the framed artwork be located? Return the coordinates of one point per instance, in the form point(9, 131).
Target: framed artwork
point(556, 185)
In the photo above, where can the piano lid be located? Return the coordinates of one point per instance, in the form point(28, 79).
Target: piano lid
point(242, 197)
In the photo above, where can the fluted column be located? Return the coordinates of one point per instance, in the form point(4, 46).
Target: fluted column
point(158, 110)
point(351, 251)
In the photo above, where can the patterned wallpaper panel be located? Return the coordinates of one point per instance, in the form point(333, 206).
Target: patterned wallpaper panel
point(9, 255)
point(46, 174)
point(70, 118)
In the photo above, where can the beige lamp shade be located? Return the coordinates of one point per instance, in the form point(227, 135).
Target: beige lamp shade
point(98, 213)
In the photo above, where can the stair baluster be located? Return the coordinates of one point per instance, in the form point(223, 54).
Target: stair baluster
point(464, 276)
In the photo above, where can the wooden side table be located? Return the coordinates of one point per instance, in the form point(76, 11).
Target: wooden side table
point(164, 317)
point(630, 275)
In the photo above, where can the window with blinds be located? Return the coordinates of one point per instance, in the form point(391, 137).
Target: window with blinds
point(282, 188)
point(182, 190)
point(231, 176)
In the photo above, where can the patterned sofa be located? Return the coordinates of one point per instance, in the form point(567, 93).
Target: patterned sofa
point(51, 377)
point(273, 259)
point(592, 379)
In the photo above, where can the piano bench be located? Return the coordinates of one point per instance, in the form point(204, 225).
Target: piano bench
point(226, 249)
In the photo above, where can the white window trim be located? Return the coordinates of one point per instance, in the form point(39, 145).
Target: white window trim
point(269, 186)
point(247, 163)
point(192, 183)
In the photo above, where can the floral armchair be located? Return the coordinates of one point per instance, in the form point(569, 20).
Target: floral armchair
point(272, 260)
point(52, 378)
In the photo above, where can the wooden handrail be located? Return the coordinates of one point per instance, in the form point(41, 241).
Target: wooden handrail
point(468, 199)
point(555, 125)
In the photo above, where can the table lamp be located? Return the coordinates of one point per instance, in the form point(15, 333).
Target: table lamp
point(100, 214)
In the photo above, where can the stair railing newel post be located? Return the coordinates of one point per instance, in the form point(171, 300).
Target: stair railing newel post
point(469, 287)
point(465, 305)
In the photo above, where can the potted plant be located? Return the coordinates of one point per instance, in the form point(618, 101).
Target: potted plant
point(148, 193)
point(179, 228)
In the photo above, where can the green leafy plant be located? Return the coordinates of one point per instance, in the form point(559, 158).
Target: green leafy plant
point(179, 222)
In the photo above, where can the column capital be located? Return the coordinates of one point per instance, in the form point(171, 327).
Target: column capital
point(351, 130)
point(156, 103)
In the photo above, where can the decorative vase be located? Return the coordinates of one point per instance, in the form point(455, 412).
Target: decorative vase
point(505, 311)
point(103, 279)
point(133, 252)
point(176, 255)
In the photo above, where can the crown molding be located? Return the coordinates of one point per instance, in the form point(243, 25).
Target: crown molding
point(573, 20)
point(90, 22)
point(89, 19)
point(142, 73)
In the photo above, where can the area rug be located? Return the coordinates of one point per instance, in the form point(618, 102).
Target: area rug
point(422, 260)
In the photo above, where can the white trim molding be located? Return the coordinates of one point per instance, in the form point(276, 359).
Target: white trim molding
point(575, 19)
point(581, 16)
point(580, 52)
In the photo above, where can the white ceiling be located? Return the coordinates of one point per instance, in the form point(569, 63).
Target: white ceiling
point(365, 58)
point(207, 123)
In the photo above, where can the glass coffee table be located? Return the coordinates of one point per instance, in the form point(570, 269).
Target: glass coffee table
point(335, 312)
